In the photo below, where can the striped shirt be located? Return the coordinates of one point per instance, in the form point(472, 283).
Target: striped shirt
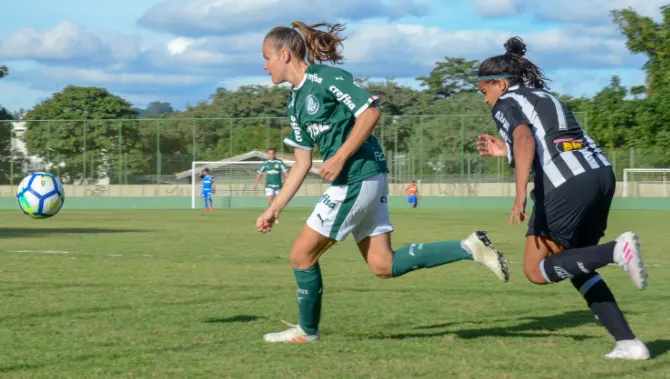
point(563, 150)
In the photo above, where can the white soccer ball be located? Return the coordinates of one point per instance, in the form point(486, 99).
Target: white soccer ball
point(40, 195)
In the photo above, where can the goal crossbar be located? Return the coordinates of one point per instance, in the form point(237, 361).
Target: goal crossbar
point(627, 171)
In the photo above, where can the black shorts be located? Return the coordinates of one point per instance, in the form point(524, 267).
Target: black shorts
point(574, 214)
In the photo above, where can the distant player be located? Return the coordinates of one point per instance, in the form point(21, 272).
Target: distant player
point(275, 172)
point(207, 189)
point(573, 189)
point(325, 108)
point(412, 194)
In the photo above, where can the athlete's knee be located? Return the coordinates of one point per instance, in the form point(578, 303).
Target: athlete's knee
point(534, 274)
point(381, 269)
point(301, 260)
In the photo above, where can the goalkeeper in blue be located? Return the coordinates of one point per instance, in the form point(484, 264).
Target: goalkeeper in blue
point(207, 189)
point(327, 109)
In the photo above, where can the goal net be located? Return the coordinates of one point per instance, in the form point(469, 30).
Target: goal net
point(646, 182)
point(233, 184)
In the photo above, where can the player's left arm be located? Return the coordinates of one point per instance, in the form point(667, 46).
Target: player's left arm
point(360, 103)
point(524, 152)
point(362, 106)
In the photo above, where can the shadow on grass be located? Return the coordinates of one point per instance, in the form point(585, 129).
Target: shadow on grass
point(32, 232)
point(658, 348)
point(238, 318)
point(537, 326)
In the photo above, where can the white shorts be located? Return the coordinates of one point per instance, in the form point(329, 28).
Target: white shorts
point(271, 191)
point(360, 208)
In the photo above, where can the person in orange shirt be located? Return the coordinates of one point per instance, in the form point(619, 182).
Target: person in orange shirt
point(412, 194)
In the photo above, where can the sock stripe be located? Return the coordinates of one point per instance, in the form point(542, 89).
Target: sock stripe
point(544, 273)
point(584, 289)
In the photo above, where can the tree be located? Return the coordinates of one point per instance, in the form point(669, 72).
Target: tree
point(11, 159)
point(611, 117)
point(154, 109)
point(3, 71)
point(81, 133)
point(645, 36)
point(451, 76)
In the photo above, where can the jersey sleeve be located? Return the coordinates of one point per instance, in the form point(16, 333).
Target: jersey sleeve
point(340, 84)
point(283, 166)
point(298, 137)
point(261, 169)
point(508, 116)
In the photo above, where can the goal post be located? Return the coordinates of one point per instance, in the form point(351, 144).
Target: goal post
point(233, 183)
point(646, 182)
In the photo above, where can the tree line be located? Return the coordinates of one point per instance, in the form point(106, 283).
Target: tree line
point(99, 134)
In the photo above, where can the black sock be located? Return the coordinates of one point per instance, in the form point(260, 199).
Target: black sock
point(575, 262)
point(601, 301)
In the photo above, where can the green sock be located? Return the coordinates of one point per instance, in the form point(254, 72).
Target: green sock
point(310, 290)
point(425, 255)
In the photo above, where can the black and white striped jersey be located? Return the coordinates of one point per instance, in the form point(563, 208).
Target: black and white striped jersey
point(563, 150)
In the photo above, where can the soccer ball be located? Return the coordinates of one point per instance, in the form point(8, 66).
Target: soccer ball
point(40, 195)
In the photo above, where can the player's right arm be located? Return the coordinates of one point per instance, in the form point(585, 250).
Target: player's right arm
point(259, 175)
point(302, 165)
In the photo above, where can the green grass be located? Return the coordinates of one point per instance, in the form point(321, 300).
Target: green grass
point(188, 294)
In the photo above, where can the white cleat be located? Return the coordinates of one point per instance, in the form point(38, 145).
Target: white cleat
point(294, 334)
point(629, 349)
point(483, 252)
point(627, 255)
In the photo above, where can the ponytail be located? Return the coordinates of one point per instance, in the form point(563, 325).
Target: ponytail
point(513, 65)
point(310, 43)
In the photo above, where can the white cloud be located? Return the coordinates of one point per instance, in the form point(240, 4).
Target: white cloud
point(496, 8)
point(421, 46)
point(15, 95)
point(66, 42)
point(567, 11)
point(97, 77)
point(594, 11)
point(207, 17)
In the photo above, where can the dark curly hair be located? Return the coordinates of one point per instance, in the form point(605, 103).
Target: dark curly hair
point(513, 65)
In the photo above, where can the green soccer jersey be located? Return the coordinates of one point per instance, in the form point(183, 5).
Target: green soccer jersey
point(273, 170)
point(322, 110)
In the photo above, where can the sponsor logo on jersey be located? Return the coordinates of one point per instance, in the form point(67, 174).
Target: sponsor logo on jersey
point(342, 97)
point(315, 129)
point(500, 117)
point(311, 104)
point(296, 129)
point(314, 78)
point(379, 156)
point(568, 144)
point(325, 199)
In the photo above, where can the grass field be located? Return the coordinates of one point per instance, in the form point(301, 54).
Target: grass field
point(189, 294)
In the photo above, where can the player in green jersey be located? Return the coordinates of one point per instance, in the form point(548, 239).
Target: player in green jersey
point(326, 108)
point(275, 172)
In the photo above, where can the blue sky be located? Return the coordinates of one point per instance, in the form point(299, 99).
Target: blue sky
point(180, 51)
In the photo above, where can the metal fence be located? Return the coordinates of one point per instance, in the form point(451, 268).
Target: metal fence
point(430, 148)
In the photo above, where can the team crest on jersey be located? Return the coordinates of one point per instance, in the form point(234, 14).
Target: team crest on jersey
point(312, 104)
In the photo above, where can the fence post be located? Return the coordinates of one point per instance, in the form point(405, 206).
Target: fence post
point(158, 151)
point(83, 174)
point(120, 164)
point(195, 142)
point(462, 146)
point(230, 140)
point(421, 147)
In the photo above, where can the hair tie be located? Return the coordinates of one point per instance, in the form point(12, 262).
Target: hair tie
point(491, 77)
